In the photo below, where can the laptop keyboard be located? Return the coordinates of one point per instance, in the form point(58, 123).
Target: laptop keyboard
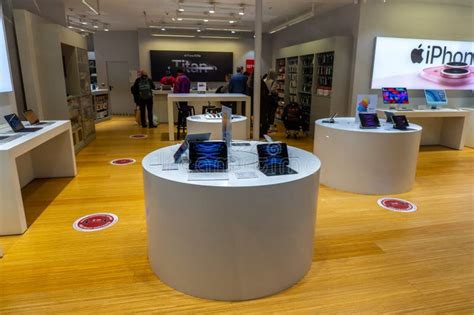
point(208, 176)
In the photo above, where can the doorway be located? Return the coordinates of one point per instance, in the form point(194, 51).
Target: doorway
point(121, 100)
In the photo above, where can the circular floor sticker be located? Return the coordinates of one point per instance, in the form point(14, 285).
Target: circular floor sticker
point(122, 162)
point(398, 205)
point(95, 222)
point(138, 136)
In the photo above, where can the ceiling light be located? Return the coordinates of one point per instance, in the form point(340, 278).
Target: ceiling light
point(198, 30)
point(106, 28)
point(83, 22)
point(96, 12)
point(172, 35)
point(180, 8)
point(242, 11)
point(205, 20)
point(179, 19)
point(69, 26)
point(173, 19)
point(219, 37)
point(96, 26)
point(163, 29)
point(212, 10)
point(277, 29)
point(231, 21)
point(233, 32)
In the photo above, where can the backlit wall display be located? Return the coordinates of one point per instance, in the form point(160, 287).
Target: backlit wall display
point(199, 66)
point(423, 64)
point(5, 76)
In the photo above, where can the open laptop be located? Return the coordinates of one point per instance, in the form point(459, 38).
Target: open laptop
point(369, 121)
point(185, 145)
point(388, 116)
point(33, 119)
point(16, 124)
point(208, 160)
point(273, 159)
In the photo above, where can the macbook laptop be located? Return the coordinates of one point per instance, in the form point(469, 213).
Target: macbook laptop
point(273, 159)
point(369, 121)
point(16, 124)
point(208, 160)
point(30, 115)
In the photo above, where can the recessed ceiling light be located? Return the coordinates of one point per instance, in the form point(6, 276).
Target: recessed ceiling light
point(163, 29)
point(180, 9)
point(198, 30)
point(231, 21)
point(96, 26)
point(242, 11)
point(69, 26)
point(106, 29)
point(212, 10)
point(173, 19)
point(84, 23)
point(82, 30)
point(179, 19)
point(205, 20)
point(233, 32)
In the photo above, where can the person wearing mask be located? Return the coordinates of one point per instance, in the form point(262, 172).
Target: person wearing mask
point(168, 79)
point(142, 91)
point(238, 82)
point(270, 82)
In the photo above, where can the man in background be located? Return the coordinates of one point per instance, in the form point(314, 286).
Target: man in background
point(168, 79)
point(142, 91)
point(182, 84)
point(238, 82)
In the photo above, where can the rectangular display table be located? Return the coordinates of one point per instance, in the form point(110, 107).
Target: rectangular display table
point(46, 153)
point(209, 97)
point(445, 126)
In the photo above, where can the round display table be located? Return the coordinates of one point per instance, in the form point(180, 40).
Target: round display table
point(237, 239)
point(201, 124)
point(367, 161)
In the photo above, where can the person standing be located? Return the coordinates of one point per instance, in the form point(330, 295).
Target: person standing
point(182, 86)
point(168, 79)
point(143, 93)
point(270, 82)
point(238, 82)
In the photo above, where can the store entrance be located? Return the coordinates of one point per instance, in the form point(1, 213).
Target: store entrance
point(120, 97)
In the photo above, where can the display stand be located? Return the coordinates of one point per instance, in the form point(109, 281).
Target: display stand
point(367, 161)
point(101, 105)
point(231, 240)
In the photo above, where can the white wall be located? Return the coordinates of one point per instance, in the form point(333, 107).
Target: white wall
point(403, 18)
point(115, 46)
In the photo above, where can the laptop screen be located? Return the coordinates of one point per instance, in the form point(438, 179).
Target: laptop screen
point(272, 155)
point(208, 156)
point(31, 117)
point(369, 120)
point(14, 122)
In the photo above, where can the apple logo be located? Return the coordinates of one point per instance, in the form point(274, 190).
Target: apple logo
point(417, 55)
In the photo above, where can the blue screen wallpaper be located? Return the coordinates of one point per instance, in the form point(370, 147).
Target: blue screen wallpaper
point(207, 156)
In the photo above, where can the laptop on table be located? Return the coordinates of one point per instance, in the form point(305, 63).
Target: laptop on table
point(33, 119)
point(208, 160)
point(16, 124)
point(273, 159)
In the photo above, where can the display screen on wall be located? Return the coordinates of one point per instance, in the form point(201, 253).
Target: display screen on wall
point(5, 76)
point(423, 64)
point(199, 66)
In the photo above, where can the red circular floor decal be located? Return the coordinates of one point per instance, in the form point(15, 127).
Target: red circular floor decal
point(398, 205)
point(138, 136)
point(122, 162)
point(95, 222)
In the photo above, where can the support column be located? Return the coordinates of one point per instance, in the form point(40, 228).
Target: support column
point(257, 68)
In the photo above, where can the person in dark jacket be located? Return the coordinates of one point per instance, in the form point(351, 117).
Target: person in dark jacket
point(238, 82)
point(142, 91)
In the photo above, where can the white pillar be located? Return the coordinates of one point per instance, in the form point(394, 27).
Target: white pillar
point(257, 68)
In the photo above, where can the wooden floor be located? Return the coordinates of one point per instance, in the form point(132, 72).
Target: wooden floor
point(366, 259)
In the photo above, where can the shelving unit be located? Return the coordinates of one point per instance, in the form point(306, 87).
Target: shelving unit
point(101, 104)
point(317, 77)
point(280, 82)
point(291, 90)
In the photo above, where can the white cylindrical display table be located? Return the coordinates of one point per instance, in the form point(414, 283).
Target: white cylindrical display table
point(367, 161)
point(231, 240)
point(201, 124)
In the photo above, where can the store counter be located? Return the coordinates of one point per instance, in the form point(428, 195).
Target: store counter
point(469, 128)
point(46, 153)
point(205, 98)
point(367, 161)
point(444, 126)
point(232, 240)
point(203, 124)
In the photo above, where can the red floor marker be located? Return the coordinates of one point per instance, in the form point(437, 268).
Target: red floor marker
point(123, 162)
point(95, 222)
point(397, 205)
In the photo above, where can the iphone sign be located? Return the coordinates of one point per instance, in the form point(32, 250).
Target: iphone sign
point(423, 64)
point(5, 77)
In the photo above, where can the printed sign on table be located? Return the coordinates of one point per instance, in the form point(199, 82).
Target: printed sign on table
point(95, 222)
point(366, 104)
point(397, 205)
point(123, 162)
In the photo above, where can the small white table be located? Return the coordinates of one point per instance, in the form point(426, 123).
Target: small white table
point(208, 97)
point(367, 161)
point(444, 126)
point(46, 153)
point(231, 240)
point(202, 124)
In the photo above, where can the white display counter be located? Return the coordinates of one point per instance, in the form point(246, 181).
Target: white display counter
point(209, 97)
point(237, 239)
point(470, 128)
point(444, 126)
point(46, 153)
point(367, 161)
point(201, 124)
